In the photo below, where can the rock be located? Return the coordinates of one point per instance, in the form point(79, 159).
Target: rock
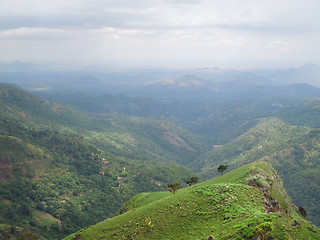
point(313, 229)
point(77, 237)
point(274, 202)
point(296, 222)
point(303, 212)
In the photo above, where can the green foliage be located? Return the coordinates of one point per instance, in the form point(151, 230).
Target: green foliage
point(148, 223)
point(192, 180)
point(173, 187)
point(279, 232)
point(141, 200)
point(28, 236)
point(264, 230)
point(222, 168)
point(224, 207)
point(293, 151)
point(304, 113)
point(79, 169)
point(259, 180)
point(65, 170)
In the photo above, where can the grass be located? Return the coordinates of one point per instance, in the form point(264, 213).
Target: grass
point(45, 218)
point(142, 199)
point(225, 207)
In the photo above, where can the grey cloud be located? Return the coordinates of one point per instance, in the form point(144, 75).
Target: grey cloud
point(94, 13)
point(184, 1)
point(157, 14)
point(167, 28)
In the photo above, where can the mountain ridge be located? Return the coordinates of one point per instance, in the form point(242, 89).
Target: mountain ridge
point(290, 149)
point(215, 209)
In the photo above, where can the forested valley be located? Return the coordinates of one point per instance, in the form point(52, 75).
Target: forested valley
point(72, 154)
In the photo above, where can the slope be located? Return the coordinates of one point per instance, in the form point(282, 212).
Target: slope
point(155, 140)
point(292, 150)
point(246, 203)
point(53, 180)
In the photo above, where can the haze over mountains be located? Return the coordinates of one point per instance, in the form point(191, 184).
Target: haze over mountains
point(107, 105)
point(76, 145)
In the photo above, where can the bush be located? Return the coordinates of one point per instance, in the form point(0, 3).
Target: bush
point(264, 230)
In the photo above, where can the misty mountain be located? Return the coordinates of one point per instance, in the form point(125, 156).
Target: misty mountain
point(309, 73)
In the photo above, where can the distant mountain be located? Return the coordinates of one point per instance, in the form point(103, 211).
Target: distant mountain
point(86, 81)
point(247, 203)
point(109, 104)
point(17, 66)
point(309, 73)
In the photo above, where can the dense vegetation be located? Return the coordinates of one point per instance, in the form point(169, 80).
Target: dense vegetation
point(247, 203)
point(53, 181)
point(62, 169)
point(293, 151)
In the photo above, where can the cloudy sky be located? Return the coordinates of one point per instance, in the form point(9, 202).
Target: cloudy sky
point(161, 32)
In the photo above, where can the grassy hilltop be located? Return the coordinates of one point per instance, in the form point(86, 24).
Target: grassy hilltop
point(292, 150)
point(247, 203)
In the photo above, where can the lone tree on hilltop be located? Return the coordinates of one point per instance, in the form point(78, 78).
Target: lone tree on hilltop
point(222, 168)
point(173, 187)
point(192, 180)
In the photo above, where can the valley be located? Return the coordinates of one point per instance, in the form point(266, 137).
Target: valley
point(71, 155)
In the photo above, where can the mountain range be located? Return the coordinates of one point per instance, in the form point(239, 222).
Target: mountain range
point(74, 151)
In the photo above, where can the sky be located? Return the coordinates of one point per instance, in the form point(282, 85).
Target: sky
point(168, 33)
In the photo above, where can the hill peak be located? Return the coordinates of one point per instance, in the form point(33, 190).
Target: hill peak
point(233, 206)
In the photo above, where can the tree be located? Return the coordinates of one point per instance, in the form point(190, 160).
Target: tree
point(173, 187)
point(192, 180)
point(222, 168)
point(28, 236)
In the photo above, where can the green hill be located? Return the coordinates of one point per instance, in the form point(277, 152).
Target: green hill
point(247, 203)
point(62, 170)
point(292, 150)
point(63, 177)
point(150, 140)
point(305, 113)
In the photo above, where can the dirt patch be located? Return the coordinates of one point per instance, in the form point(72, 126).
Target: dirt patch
point(175, 139)
point(55, 107)
point(5, 167)
point(6, 201)
point(77, 237)
point(46, 216)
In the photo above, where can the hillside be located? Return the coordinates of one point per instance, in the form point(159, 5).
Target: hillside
point(229, 110)
point(306, 113)
point(57, 173)
point(154, 140)
point(246, 203)
point(62, 169)
point(292, 150)
point(70, 181)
